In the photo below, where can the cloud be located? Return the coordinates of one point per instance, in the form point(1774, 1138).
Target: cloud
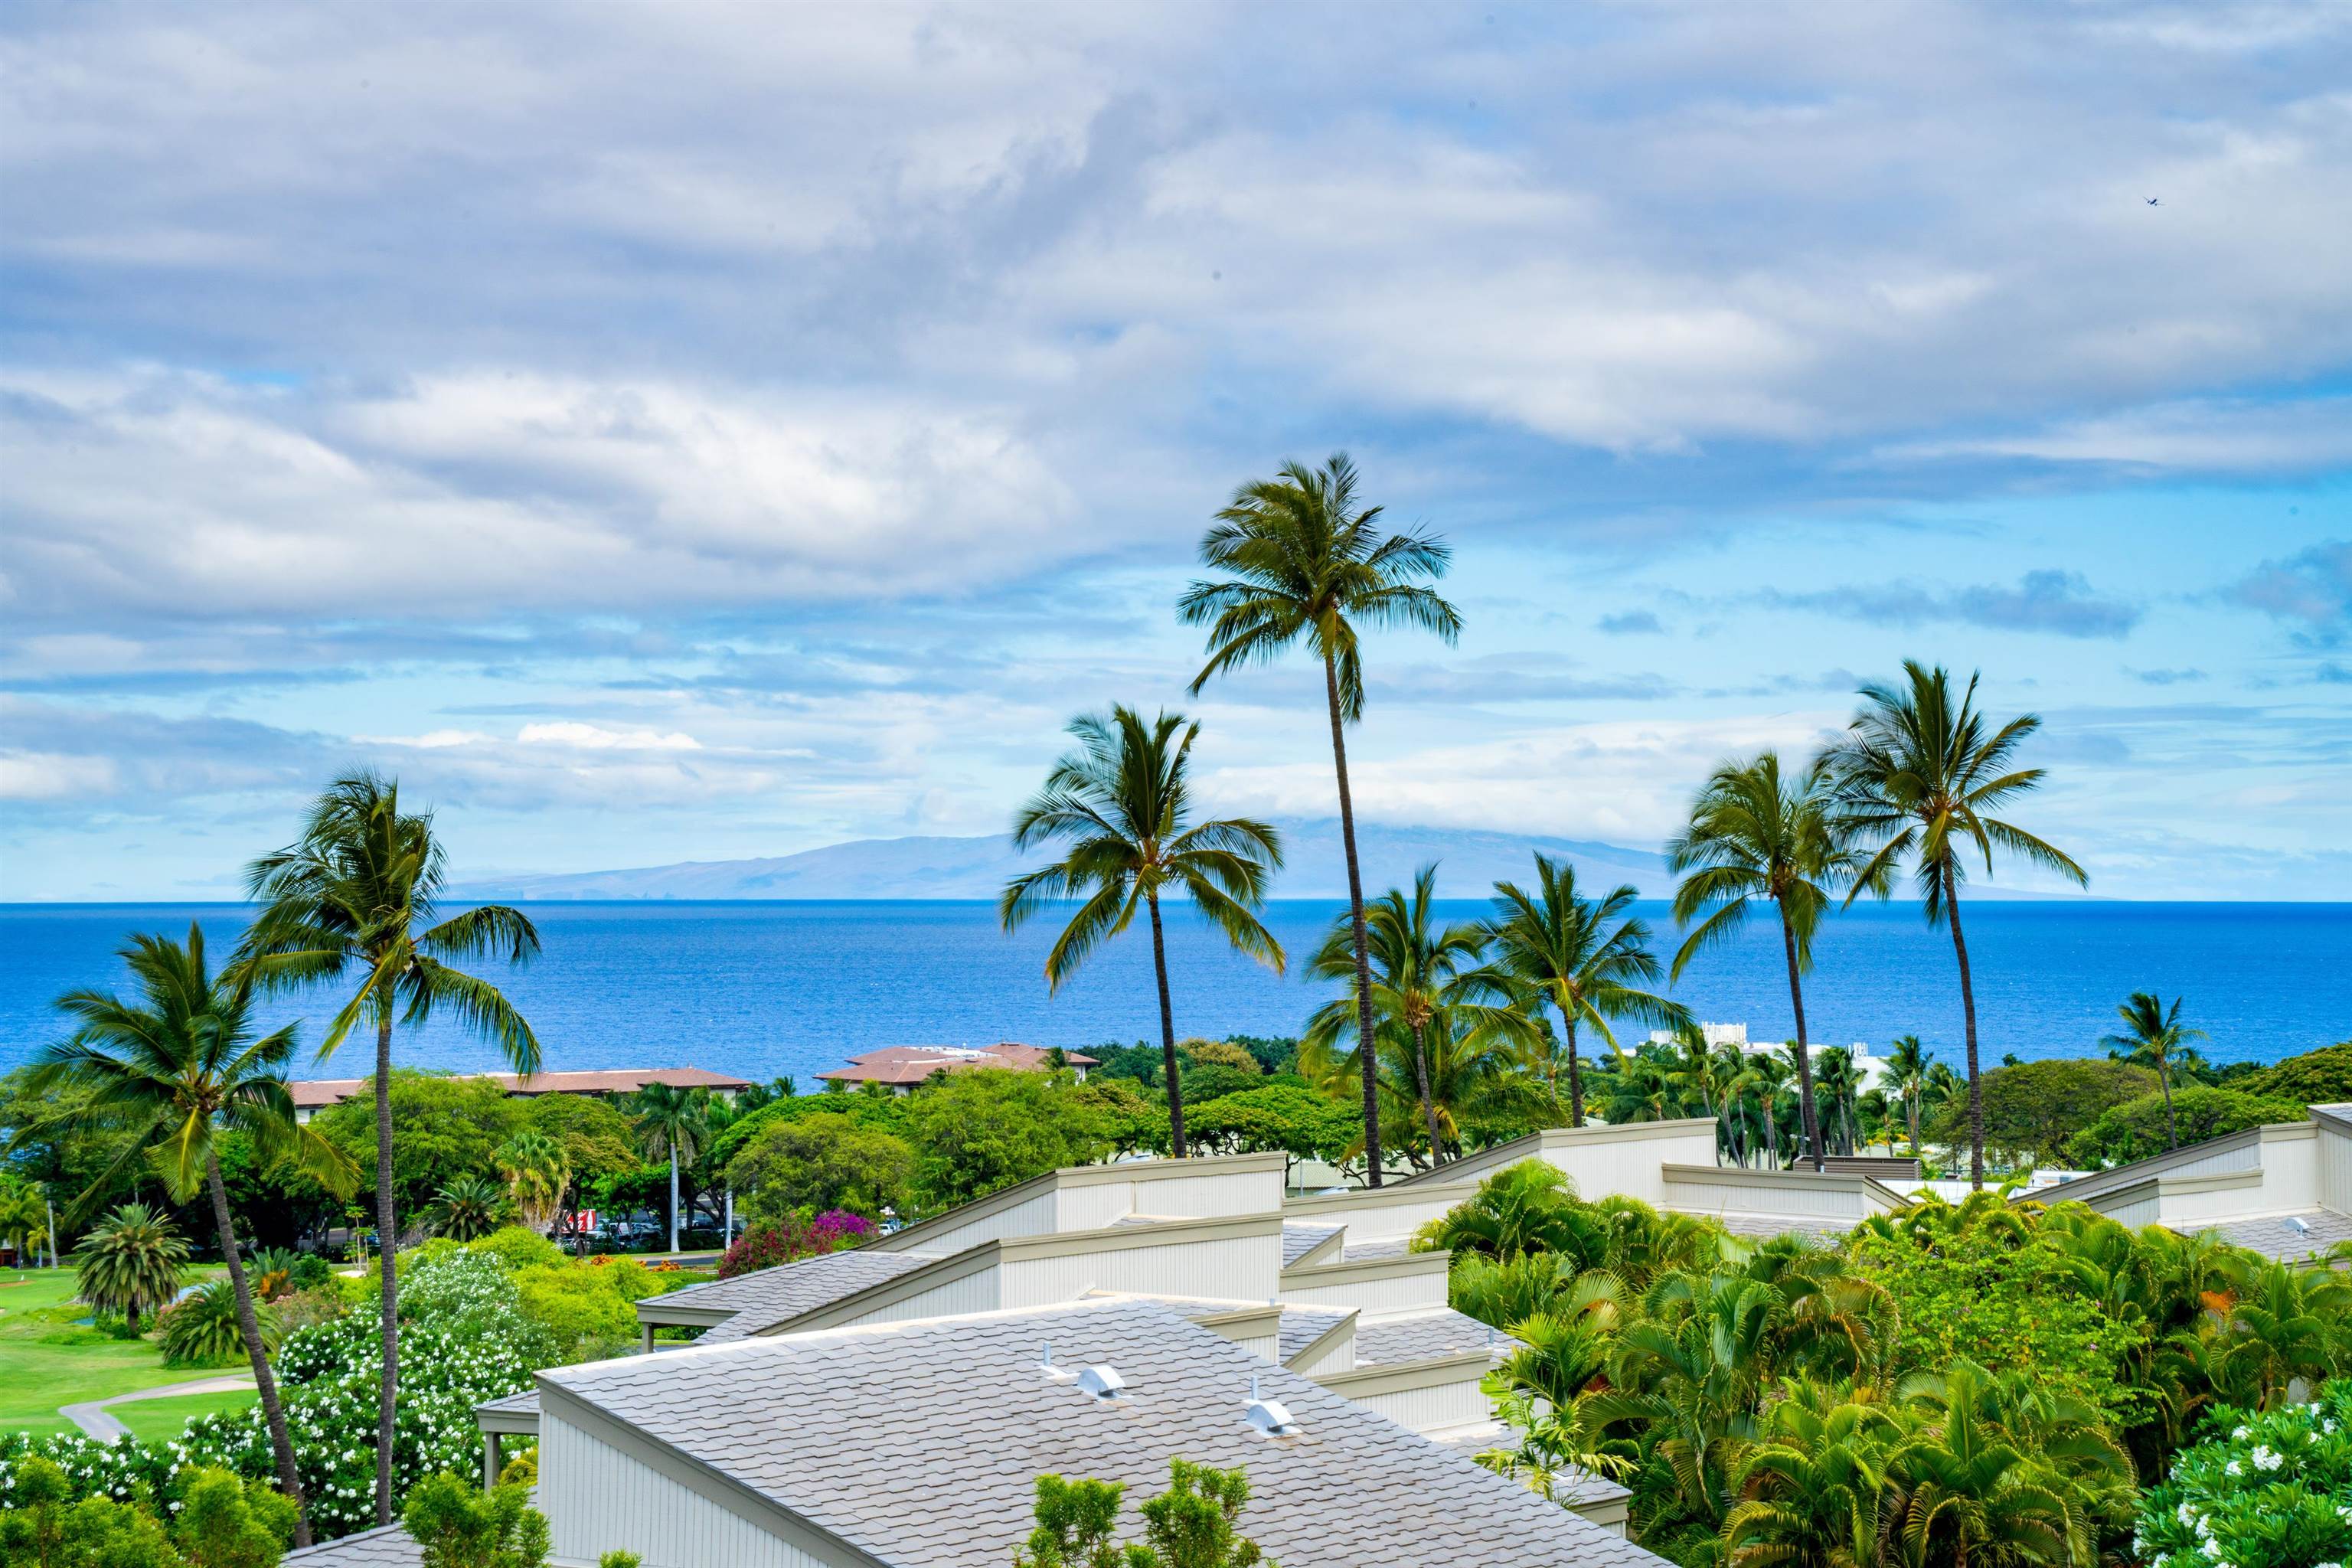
point(2274, 437)
point(2311, 590)
point(1630, 623)
point(2169, 677)
point(2058, 603)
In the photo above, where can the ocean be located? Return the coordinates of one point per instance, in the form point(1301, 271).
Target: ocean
point(759, 989)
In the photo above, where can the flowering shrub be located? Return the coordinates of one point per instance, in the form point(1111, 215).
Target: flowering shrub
point(2269, 1489)
point(796, 1238)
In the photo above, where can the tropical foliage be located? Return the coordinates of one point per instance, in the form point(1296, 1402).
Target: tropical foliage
point(204, 1327)
point(131, 1262)
point(1192, 1524)
point(456, 1524)
point(2264, 1488)
point(198, 1518)
point(793, 1238)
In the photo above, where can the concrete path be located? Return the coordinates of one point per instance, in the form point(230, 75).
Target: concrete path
point(93, 1419)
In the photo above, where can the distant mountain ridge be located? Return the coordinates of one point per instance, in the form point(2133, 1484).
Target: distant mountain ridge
point(1469, 862)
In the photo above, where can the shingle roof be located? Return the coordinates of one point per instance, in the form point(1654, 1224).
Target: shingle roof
point(1570, 1485)
point(1302, 1326)
point(1298, 1240)
point(811, 1420)
point(523, 1403)
point(775, 1295)
point(1425, 1336)
point(387, 1547)
point(1357, 1251)
point(914, 1064)
point(2274, 1238)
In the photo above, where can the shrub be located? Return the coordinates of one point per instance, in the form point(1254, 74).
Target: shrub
point(2138, 1128)
point(585, 1306)
point(1217, 1053)
point(2262, 1490)
point(309, 1308)
point(518, 1248)
point(456, 1525)
point(820, 1162)
point(269, 1270)
point(202, 1330)
point(794, 1237)
point(310, 1271)
point(2323, 1076)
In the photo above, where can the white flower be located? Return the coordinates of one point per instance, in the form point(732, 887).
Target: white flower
point(2234, 1468)
point(2241, 1433)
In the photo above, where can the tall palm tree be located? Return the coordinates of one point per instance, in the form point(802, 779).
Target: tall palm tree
point(181, 1064)
point(1907, 1062)
point(1587, 957)
point(1304, 560)
point(1417, 969)
point(537, 1175)
point(671, 1122)
point(131, 1262)
point(359, 892)
point(2154, 1037)
point(1842, 1087)
point(1755, 835)
point(1918, 775)
point(1122, 801)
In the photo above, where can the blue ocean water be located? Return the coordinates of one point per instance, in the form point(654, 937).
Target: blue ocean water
point(759, 989)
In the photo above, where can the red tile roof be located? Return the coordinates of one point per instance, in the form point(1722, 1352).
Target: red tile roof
point(913, 1064)
point(321, 1092)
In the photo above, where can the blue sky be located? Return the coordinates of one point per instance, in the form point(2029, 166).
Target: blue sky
point(661, 433)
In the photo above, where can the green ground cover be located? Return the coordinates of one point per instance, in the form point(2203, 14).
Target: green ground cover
point(48, 1360)
point(161, 1420)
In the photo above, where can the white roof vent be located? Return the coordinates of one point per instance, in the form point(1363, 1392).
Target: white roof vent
point(1269, 1416)
point(2297, 1224)
point(1103, 1382)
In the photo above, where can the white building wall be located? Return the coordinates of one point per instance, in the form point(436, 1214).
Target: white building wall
point(1239, 1268)
point(1419, 1290)
point(2291, 1167)
point(978, 1291)
point(1618, 1161)
point(1031, 1216)
point(2140, 1211)
point(599, 1499)
point(1456, 1404)
point(1339, 1355)
point(2332, 1161)
point(1384, 1214)
point(1734, 1192)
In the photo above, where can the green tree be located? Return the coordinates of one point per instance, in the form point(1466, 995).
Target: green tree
point(206, 1326)
point(2034, 1110)
point(1300, 1122)
point(1122, 802)
point(1754, 835)
point(1192, 1524)
point(2153, 1037)
point(1588, 958)
point(468, 1208)
point(441, 1125)
point(456, 1525)
point(24, 1215)
point(1300, 558)
point(1907, 1075)
point(983, 1129)
point(131, 1262)
point(822, 1163)
point(1917, 777)
point(181, 1065)
point(2139, 1129)
point(359, 891)
point(538, 1176)
point(674, 1123)
point(2323, 1076)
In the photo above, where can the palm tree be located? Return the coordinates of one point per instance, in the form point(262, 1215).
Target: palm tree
point(360, 890)
point(1305, 561)
point(1417, 969)
point(1583, 956)
point(672, 1123)
point(1754, 835)
point(1842, 1087)
point(2154, 1038)
point(1907, 1063)
point(181, 1064)
point(131, 1262)
point(467, 1208)
point(538, 1174)
point(1123, 803)
point(1917, 775)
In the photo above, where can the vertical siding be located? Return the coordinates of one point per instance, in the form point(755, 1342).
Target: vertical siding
point(1417, 1292)
point(1832, 1198)
point(2137, 1212)
point(1339, 1355)
point(1216, 1196)
point(599, 1499)
point(1239, 1268)
point(1630, 1166)
point(2335, 1157)
point(2289, 1168)
point(1430, 1409)
point(975, 1292)
point(1031, 1216)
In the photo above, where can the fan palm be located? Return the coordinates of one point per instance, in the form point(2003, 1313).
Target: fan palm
point(359, 891)
point(1417, 968)
point(538, 1176)
point(1122, 802)
point(467, 1208)
point(180, 1064)
point(1755, 834)
point(2154, 1037)
point(131, 1262)
point(1587, 957)
point(1304, 560)
point(672, 1123)
point(1907, 1064)
point(1917, 776)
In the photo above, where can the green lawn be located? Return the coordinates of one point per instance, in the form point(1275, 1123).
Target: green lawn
point(48, 1360)
point(160, 1420)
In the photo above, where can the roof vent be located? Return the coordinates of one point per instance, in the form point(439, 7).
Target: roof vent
point(1045, 1356)
point(1268, 1415)
point(2297, 1224)
point(1103, 1382)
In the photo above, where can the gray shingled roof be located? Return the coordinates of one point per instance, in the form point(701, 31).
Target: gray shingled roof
point(523, 1403)
point(1573, 1486)
point(2274, 1237)
point(1425, 1336)
point(388, 1547)
point(811, 1420)
point(1302, 1326)
point(775, 1295)
point(1298, 1240)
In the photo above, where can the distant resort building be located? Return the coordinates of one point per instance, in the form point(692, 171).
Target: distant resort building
point(314, 1095)
point(1868, 1069)
point(900, 1068)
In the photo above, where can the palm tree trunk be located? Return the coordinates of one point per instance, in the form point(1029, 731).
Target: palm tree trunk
point(1356, 924)
point(289, 1481)
point(1968, 1016)
point(1575, 1070)
point(673, 1195)
point(1167, 1031)
point(2171, 1127)
point(1804, 1046)
point(387, 1245)
point(1428, 1104)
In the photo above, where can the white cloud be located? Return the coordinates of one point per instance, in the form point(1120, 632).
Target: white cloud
point(39, 775)
point(597, 738)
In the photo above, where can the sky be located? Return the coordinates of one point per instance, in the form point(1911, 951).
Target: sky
point(660, 433)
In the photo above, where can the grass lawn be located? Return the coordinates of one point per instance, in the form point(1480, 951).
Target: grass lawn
point(48, 1360)
point(160, 1420)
